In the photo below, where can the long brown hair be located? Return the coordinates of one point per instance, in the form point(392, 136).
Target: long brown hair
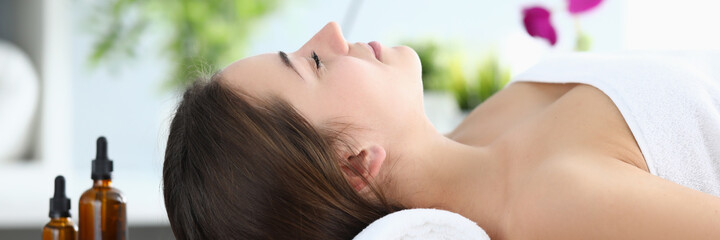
point(238, 167)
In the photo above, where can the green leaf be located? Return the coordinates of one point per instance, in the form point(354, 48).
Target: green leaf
point(203, 32)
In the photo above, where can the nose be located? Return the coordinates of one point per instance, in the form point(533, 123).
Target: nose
point(329, 38)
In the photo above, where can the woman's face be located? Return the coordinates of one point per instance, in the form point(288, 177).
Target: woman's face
point(350, 85)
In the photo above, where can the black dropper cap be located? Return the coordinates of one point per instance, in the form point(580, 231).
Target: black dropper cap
point(102, 167)
point(59, 203)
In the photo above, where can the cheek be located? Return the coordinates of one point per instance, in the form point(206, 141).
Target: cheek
point(366, 92)
point(359, 92)
point(352, 89)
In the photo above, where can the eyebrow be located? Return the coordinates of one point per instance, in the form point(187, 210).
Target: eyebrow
point(286, 61)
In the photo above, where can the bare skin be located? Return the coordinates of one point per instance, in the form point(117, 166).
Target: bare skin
point(535, 161)
point(576, 171)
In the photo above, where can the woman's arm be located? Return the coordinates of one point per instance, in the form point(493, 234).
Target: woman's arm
point(609, 199)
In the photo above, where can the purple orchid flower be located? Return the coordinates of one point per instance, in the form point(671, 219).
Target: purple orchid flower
point(537, 23)
point(580, 6)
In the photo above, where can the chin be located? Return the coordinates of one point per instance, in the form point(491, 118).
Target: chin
point(411, 54)
point(413, 62)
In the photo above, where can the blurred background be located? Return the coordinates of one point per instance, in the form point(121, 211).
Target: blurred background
point(74, 70)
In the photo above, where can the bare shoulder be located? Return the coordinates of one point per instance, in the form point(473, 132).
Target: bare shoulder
point(600, 198)
point(506, 109)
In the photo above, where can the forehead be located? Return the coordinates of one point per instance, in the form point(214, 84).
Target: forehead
point(258, 74)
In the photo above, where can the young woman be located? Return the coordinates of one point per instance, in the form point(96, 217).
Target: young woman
point(320, 142)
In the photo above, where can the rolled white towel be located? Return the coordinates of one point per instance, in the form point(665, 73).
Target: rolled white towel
point(421, 223)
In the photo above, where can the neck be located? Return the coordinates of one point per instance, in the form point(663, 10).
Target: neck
point(437, 172)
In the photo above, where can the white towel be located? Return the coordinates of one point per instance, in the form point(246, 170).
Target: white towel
point(670, 101)
point(421, 223)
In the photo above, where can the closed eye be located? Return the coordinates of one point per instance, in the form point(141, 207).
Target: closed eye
point(317, 60)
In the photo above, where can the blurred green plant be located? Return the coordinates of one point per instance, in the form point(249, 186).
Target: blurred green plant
point(441, 73)
point(583, 42)
point(433, 73)
point(459, 84)
point(201, 33)
point(491, 77)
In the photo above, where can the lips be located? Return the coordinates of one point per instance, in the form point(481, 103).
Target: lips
point(377, 49)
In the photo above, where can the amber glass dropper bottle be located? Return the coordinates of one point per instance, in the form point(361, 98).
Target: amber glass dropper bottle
point(102, 207)
point(60, 226)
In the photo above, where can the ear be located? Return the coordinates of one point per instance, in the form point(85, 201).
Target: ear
point(365, 164)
